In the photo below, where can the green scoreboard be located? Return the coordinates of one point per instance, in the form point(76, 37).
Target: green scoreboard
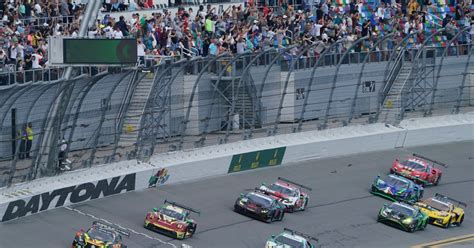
point(258, 159)
point(99, 51)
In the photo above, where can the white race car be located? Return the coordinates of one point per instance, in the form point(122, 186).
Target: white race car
point(291, 239)
point(289, 193)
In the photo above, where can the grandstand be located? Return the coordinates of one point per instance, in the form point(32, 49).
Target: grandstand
point(268, 76)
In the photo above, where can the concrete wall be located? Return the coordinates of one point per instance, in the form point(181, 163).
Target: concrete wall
point(213, 161)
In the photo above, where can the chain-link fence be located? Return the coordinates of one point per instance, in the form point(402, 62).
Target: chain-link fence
point(186, 104)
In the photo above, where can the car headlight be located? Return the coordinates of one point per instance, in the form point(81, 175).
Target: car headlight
point(179, 226)
point(384, 213)
point(264, 211)
point(407, 221)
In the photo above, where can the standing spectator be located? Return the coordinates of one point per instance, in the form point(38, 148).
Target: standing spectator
point(29, 140)
point(23, 140)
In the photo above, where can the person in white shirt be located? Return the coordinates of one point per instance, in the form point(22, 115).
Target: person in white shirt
point(117, 33)
point(92, 33)
point(109, 31)
point(141, 51)
point(35, 61)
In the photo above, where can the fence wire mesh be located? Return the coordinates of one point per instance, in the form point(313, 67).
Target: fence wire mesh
point(186, 104)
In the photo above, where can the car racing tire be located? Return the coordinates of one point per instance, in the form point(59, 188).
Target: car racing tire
point(437, 180)
point(411, 229)
point(449, 223)
point(305, 204)
point(461, 220)
point(193, 231)
point(281, 216)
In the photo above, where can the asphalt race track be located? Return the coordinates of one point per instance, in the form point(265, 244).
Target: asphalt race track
point(342, 213)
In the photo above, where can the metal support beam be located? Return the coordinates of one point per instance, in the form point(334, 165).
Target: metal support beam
point(435, 84)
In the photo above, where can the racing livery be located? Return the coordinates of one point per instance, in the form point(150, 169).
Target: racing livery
point(403, 216)
point(292, 239)
point(260, 206)
point(172, 219)
point(289, 193)
point(419, 169)
point(99, 235)
point(442, 210)
point(396, 188)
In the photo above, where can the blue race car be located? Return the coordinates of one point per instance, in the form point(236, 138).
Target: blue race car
point(396, 188)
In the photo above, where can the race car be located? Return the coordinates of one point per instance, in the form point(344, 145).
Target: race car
point(172, 219)
point(260, 206)
point(289, 193)
point(292, 239)
point(100, 235)
point(442, 210)
point(397, 188)
point(403, 216)
point(419, 169)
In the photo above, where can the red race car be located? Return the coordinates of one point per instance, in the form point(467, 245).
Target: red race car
point(419, 169)
point(172, 219)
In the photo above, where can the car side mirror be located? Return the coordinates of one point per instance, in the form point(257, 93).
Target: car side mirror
point(385, 205)
point(155, 210)
point(273, 236)
point(242, 195)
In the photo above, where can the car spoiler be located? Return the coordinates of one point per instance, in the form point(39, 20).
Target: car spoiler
point(116, 228)
point(293, 232)
point(183, 206)
point(443, 197)
point(267, 193)
point(297, 184)
point(431, 160)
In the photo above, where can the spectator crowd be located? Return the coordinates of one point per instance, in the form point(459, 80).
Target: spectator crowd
point(250, 26)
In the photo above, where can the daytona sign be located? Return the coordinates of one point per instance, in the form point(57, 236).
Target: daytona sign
point(69, 195)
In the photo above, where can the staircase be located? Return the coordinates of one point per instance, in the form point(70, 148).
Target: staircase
point(393, 103)
point(243, 97)
point(133, 117)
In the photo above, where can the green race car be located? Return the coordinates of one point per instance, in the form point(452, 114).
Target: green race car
point(403, 216)
point(291, 239)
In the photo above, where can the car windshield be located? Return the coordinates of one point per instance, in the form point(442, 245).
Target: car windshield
point(397, 182)
point(405, 210)
point(260, 200)
point(413, 164)
point(283, 190)
point(438, 205)
point(101, 234)
point(171, 213)
point(290, 243)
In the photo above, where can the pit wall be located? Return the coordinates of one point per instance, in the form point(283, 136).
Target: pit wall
point(282, 150)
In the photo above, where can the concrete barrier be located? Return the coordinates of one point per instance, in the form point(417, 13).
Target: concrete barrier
point(289, 149)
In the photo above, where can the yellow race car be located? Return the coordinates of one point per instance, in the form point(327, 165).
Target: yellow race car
point(442, 210)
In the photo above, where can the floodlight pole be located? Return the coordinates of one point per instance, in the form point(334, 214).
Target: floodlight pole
point(47, 157)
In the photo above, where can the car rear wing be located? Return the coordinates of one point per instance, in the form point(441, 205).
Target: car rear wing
point(306, 236)
point(296, 184)
point(431, 160)
point(183, 206)
point(268, 193)
point(454, 201)
point(116, 228)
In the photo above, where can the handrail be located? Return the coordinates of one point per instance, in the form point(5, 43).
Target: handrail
point(124, 105)
point(256, 103)
point(392, 74)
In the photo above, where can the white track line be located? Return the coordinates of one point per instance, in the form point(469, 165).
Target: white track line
point(122, 227)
